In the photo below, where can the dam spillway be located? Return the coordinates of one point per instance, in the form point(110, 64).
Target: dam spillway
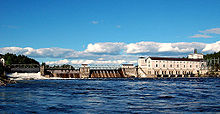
point(106, 74)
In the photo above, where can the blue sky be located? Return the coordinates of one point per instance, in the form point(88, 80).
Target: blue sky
point(85, 26)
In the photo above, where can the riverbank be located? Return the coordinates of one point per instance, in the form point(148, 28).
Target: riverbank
point(5, 80)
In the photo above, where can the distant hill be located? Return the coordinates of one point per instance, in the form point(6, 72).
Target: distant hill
point(213, 55)
point(18, 59)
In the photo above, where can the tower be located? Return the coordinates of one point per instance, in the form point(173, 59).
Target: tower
point(195, 51)
point(84, 71)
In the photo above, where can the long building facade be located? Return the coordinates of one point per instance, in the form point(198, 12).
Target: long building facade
point(193, 65)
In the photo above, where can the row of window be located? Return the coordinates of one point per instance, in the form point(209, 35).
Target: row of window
point(173, 61)
point(176, 66)
point(171, 72)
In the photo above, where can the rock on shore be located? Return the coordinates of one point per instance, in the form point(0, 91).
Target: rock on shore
point(4, 81)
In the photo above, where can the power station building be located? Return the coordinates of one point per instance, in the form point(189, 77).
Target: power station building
point(191, 66)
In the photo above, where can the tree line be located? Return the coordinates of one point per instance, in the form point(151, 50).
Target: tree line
point(215, 66)
point(18, 59)
point(212, 55)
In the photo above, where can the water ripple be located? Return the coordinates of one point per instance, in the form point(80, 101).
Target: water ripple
point(112, 96)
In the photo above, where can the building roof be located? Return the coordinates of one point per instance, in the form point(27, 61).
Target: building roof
point(174, 59)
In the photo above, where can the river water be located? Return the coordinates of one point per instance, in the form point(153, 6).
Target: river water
point(112, 96)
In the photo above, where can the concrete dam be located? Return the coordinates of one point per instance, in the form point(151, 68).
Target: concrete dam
point(86, 71)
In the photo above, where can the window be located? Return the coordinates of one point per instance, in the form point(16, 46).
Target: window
point(177, 66)
point(156, 65)
point(148, 65)
point(184, 66)
point(190, 66)
point(164, 65)
point(171, 65)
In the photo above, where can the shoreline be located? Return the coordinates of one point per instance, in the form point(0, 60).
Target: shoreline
point(4, 80)
point(37, 76)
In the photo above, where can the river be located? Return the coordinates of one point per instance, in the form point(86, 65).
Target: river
point(112, 96)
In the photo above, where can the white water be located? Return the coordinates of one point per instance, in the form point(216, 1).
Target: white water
point(31, 76)
point(26, 76)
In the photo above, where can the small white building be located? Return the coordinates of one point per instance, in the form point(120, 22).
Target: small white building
point(195, 55)
point(172, 67)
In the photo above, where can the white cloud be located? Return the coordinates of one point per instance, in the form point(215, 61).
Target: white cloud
point(155, 47)
point(65, 61)
point(95, 22)
point(165, 47)
point(214, 47)
point(213, 31)
point(105, 48)
point(201, 36)
point(16, 50)
point(141, 47)
point(42, 52)
point(116, 53)
point(60, 62)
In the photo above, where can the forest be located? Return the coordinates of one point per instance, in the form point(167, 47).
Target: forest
point(212, 56)
point(18, 59)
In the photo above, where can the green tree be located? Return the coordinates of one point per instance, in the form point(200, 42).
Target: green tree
point(20, 59)
point(1, 69)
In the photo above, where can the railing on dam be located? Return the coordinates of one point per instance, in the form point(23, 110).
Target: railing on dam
point(97, 67)
point(104, 67)
point(92, 67)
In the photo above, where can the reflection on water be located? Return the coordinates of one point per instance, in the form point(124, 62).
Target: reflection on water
point(112, 96)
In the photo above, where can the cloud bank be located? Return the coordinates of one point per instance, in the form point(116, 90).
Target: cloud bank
point(114, 52)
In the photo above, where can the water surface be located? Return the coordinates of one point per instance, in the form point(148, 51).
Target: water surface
point(112, 96)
